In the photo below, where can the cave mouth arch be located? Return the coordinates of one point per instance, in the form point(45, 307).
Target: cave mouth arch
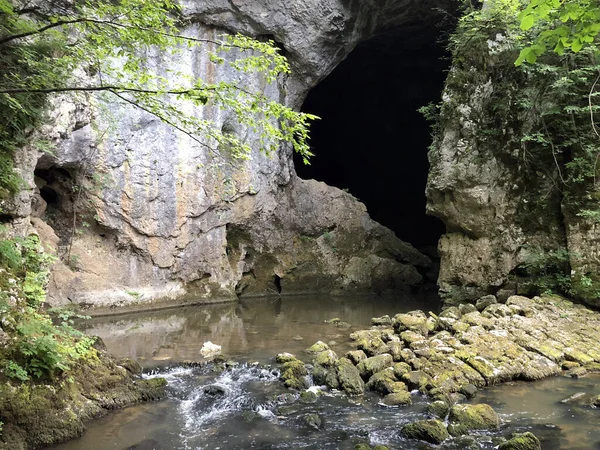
point(371, 140)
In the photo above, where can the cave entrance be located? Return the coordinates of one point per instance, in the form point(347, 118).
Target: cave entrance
point(371, 140)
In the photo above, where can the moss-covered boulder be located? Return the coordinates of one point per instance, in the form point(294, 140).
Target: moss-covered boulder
point(383, 320)
point(313, 421)
point(399, 398)
point(415, 321)
point(374, 364)
point(385, 382)
point(308, 397)
point(293, 374)
point(317, 347)
point(522, 441)
point(325, 376)
point(349, 377)
point(356, 356)
point(327, 358)
point(438, 409)
point(282, 358)
point(465, 418)
point(417, 379)
point(373, 347)
point(432, 431)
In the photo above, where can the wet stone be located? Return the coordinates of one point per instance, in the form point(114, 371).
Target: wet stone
point(485, 301)
point(432, 431)
point(313, 421)
point(383, 320)
point(356, 356)
point(374, 364)
point(522, 441)
point(402, 398)
point(349, 378)
point(465, 418)
point(308, 397)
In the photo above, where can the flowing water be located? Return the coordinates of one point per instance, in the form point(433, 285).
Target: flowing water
point(246, 407)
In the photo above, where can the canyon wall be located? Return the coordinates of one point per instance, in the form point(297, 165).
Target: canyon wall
point(159, 218)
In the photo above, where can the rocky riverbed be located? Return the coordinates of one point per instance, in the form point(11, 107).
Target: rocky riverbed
point(450, 356)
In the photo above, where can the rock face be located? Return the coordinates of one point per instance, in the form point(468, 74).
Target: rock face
point(161, 218)
point(508, 205)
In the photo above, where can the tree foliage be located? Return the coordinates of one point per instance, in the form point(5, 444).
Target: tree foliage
point(102, 46)
point(566, 25)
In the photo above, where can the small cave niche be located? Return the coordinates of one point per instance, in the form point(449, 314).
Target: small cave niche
point(371, 139)
point(53, 200)
point(277, 284)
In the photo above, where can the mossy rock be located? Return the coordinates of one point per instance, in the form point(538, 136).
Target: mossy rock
point(401, 368)
point(400, 398)
point(383, 320)
point(317, 347)
point(415, 321)
point(385, 382)
point(374, 364)
point(595, 402)
point(43, 414)
point(356, 356)
point(327, 358)
point(439, 409)
point(293, 374)
point(417, 379)
point(313, 421)
point(308, 397)
point(282, 358)
point(432, 431)
point(465, 418)
point(522, 441)
point(373, 347)
point(349, 377)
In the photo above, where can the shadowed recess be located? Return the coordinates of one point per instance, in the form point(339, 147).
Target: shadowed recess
point(371, 140)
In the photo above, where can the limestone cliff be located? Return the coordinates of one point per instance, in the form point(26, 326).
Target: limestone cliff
point(159, 217)
point(510, 174)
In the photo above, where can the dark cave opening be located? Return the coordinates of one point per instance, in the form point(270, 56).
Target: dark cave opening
point(371, 140)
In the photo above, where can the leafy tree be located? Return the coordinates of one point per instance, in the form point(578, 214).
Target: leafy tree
point(566, 25)
point(105, 46)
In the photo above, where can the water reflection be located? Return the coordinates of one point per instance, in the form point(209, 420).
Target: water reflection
point(250, 330)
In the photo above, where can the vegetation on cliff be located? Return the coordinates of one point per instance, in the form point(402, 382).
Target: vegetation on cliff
point(531, 69)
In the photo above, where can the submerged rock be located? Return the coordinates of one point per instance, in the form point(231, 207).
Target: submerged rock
point(522, 441)
point(432, 431)
point(313, 420)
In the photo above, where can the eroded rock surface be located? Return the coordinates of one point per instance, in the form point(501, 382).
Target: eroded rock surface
point(163, 218)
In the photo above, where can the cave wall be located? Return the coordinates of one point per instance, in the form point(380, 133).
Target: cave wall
point(161, 219)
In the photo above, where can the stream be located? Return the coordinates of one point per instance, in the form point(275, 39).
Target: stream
point(246, 407)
